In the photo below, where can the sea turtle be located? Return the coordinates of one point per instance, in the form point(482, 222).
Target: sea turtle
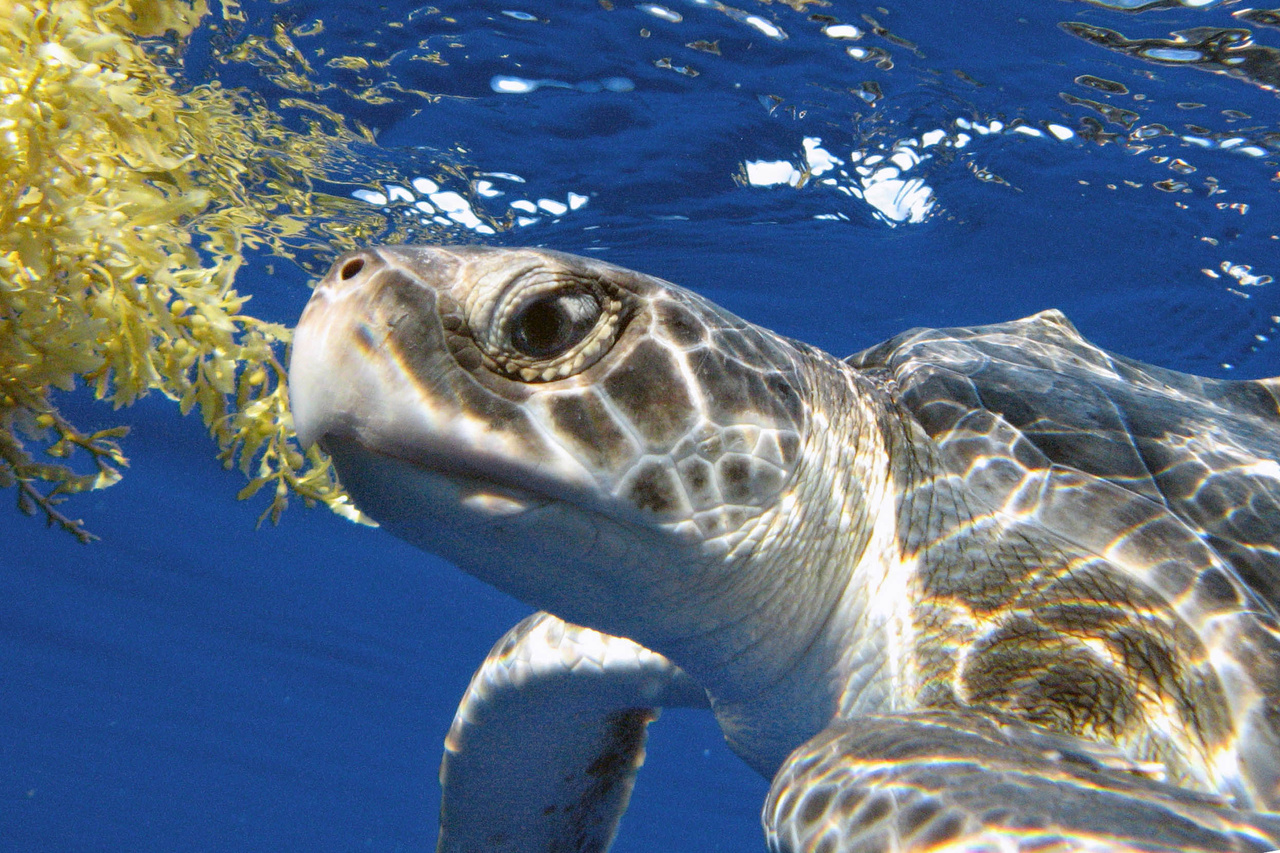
point(972, 589)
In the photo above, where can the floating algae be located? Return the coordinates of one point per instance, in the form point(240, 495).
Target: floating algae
point(126, 207)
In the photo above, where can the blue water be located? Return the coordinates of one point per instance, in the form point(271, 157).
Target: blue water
point(191, 683)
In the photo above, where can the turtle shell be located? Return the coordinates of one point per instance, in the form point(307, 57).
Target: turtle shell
point(1171, 478)
point(1205, 449)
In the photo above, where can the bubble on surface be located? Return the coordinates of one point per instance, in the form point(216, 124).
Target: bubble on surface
point(898, 200)
point(1171, 54)
point(513, 85)
point(661, 12)
point(537, 211)
point(842, 31)
point(507, 85)
point(756, 22)
point(770, 173)
point(1101, 84)
point(819, 159)
point(372, 197)
point(666, 63)
point(459, 210)
point(1244, 275)
point(769, 28)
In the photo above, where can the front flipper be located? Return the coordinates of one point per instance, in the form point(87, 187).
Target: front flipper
point(957, 781)
point(545, 746)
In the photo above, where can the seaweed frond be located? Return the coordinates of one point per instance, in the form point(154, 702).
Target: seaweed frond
point(126, 207)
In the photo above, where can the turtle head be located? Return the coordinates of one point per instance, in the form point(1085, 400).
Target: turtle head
point(593, 441)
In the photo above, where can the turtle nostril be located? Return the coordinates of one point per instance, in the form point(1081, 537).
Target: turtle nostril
point(351, 269)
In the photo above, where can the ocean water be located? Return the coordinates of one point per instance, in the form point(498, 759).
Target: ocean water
point(835, 171)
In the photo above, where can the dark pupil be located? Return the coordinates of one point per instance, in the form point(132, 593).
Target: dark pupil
point(553, 324)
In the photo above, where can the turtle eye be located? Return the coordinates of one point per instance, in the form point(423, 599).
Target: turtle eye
point(546, 324)
point(553, 323)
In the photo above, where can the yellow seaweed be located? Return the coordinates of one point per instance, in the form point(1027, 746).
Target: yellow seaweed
point(125, 208)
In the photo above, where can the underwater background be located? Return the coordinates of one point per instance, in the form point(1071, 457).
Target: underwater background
point(836, 171)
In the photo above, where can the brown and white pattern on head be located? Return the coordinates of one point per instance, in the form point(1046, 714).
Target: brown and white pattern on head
point(694, 417)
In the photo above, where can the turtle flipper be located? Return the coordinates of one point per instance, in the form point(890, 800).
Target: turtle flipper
point(547, 740)
point(959, 781)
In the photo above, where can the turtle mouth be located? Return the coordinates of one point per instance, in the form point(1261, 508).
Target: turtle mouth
point(386, 481)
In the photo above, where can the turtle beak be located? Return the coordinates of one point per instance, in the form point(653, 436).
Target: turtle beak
point(369, 364)
point(326, 346)
point(371, 373)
